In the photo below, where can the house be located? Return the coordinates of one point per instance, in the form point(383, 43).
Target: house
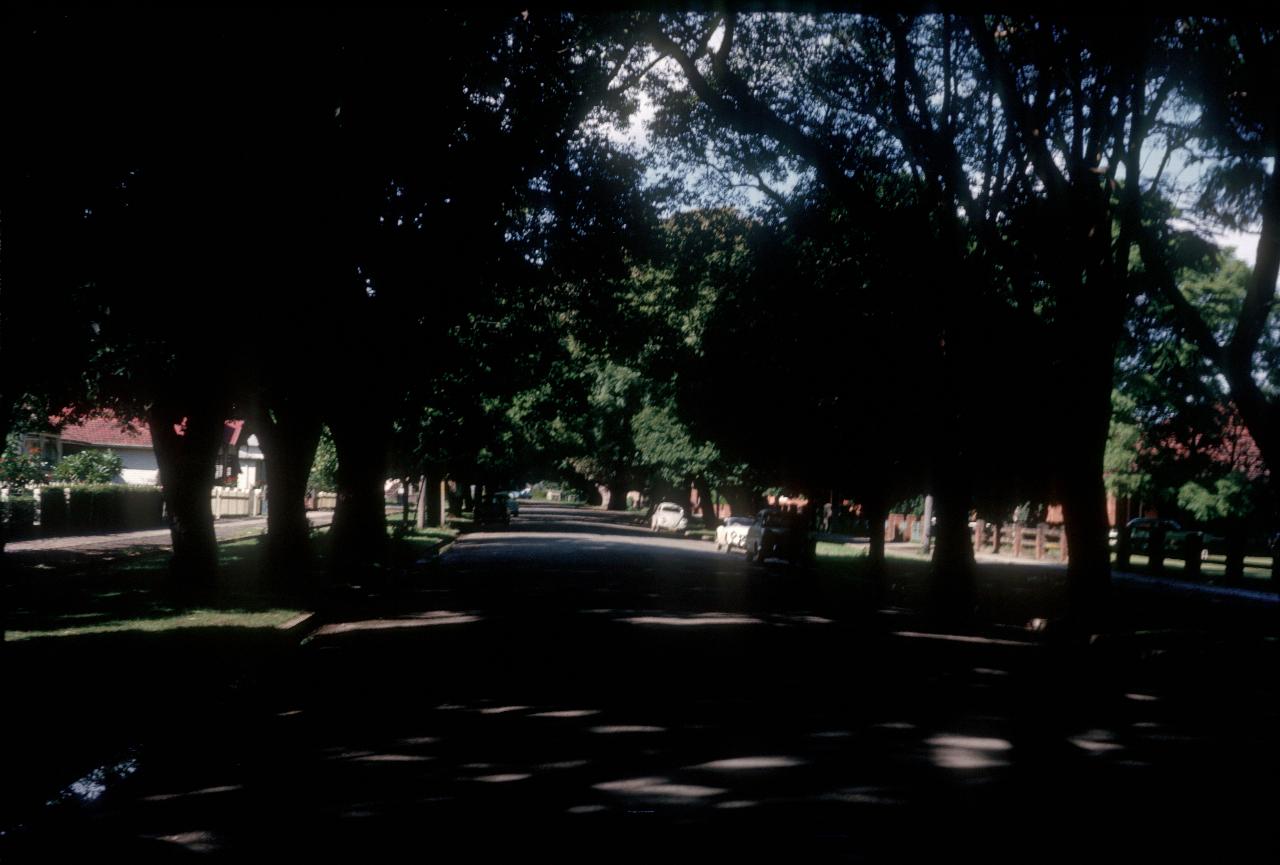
point(240, 462)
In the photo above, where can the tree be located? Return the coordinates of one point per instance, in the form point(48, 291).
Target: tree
point(88, 467)
point(1230, 85)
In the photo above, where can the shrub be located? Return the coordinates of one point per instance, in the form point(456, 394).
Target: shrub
point(19, 516)
point(88, 467)
point(85, 513)
point(53, 511)
point(114, 508)
point(19, 469)
point(324, 470)
point(143, 507)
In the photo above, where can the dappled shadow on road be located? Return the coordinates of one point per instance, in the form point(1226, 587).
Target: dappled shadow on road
point(582, 686)
point(618, 739)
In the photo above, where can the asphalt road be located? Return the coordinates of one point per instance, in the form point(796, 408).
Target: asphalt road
point(577, 689)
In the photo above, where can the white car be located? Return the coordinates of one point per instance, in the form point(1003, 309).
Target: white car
point(732, 533)
point(668, 517)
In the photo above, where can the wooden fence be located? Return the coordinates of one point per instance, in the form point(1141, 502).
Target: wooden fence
point(232, 502)
point(1019, 540)
point(1041, 541)
point(322, 501)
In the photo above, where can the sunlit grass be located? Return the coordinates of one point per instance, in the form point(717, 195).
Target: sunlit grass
point(198, 618)
point(829, 550)
point(1255, 567)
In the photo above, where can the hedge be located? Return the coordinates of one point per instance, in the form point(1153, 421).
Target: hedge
point(19, 516)
point(53, 511)
point(113, 508)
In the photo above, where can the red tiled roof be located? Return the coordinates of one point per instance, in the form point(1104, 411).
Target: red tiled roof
point(108, 432)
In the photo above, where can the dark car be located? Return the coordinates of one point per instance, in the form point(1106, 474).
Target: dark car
point(491, 509)
point(1175, 537)
point(777, 534)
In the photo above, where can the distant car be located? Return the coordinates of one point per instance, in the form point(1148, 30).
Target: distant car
point(733, 533)
point(776, 534)
point(668, 517)
point(492, 508)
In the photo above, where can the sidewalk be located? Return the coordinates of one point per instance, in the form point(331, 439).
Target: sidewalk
point(227, 529)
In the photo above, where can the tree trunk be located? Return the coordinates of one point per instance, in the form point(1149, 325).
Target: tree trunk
point(1234, 574)
point(740, 500)
point(289, 440)
point(1093, 317)
point(706, 499)
point(617, 494)
point(186, 444)
point(436, 496)
point(952, 572)
point(875, 510)
point(420, 516)
point(360, 521)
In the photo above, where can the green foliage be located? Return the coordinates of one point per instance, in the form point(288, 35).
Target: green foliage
point(88, 467)
point(18, 513)
point(1121, 469)
point(53, 511)
point(913, 505)
point(324, 470)
point(19, 468)
point(113, 508)
point(1232, 496)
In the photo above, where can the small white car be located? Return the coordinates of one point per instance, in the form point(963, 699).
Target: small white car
point(733, 533)
point(668, 517)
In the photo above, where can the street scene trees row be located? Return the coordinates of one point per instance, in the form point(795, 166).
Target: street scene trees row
point(848, 255)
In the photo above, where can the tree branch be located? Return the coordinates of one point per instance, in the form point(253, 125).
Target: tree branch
point(1016, 111)
point(746, 114)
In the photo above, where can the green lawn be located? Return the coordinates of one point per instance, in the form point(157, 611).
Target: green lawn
point(74, 595)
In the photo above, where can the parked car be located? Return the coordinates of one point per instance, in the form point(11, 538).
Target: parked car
point(1175, 537)
point(492, 508)
point(733, 533)
point(513, 506)
point(668, 517)
point(776, 534)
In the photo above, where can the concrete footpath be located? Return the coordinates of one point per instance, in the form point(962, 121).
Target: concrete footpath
point(225, 529)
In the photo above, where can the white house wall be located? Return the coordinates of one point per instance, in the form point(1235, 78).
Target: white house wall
point(138, 466)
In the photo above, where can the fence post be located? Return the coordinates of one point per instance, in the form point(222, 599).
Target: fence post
point(1040, 539)
point(1122, 548)
point(1192, 544)
point(979, 530)
point(995, 537)
point(1017, 539)
point(1062, 543)
point(1155, 549)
